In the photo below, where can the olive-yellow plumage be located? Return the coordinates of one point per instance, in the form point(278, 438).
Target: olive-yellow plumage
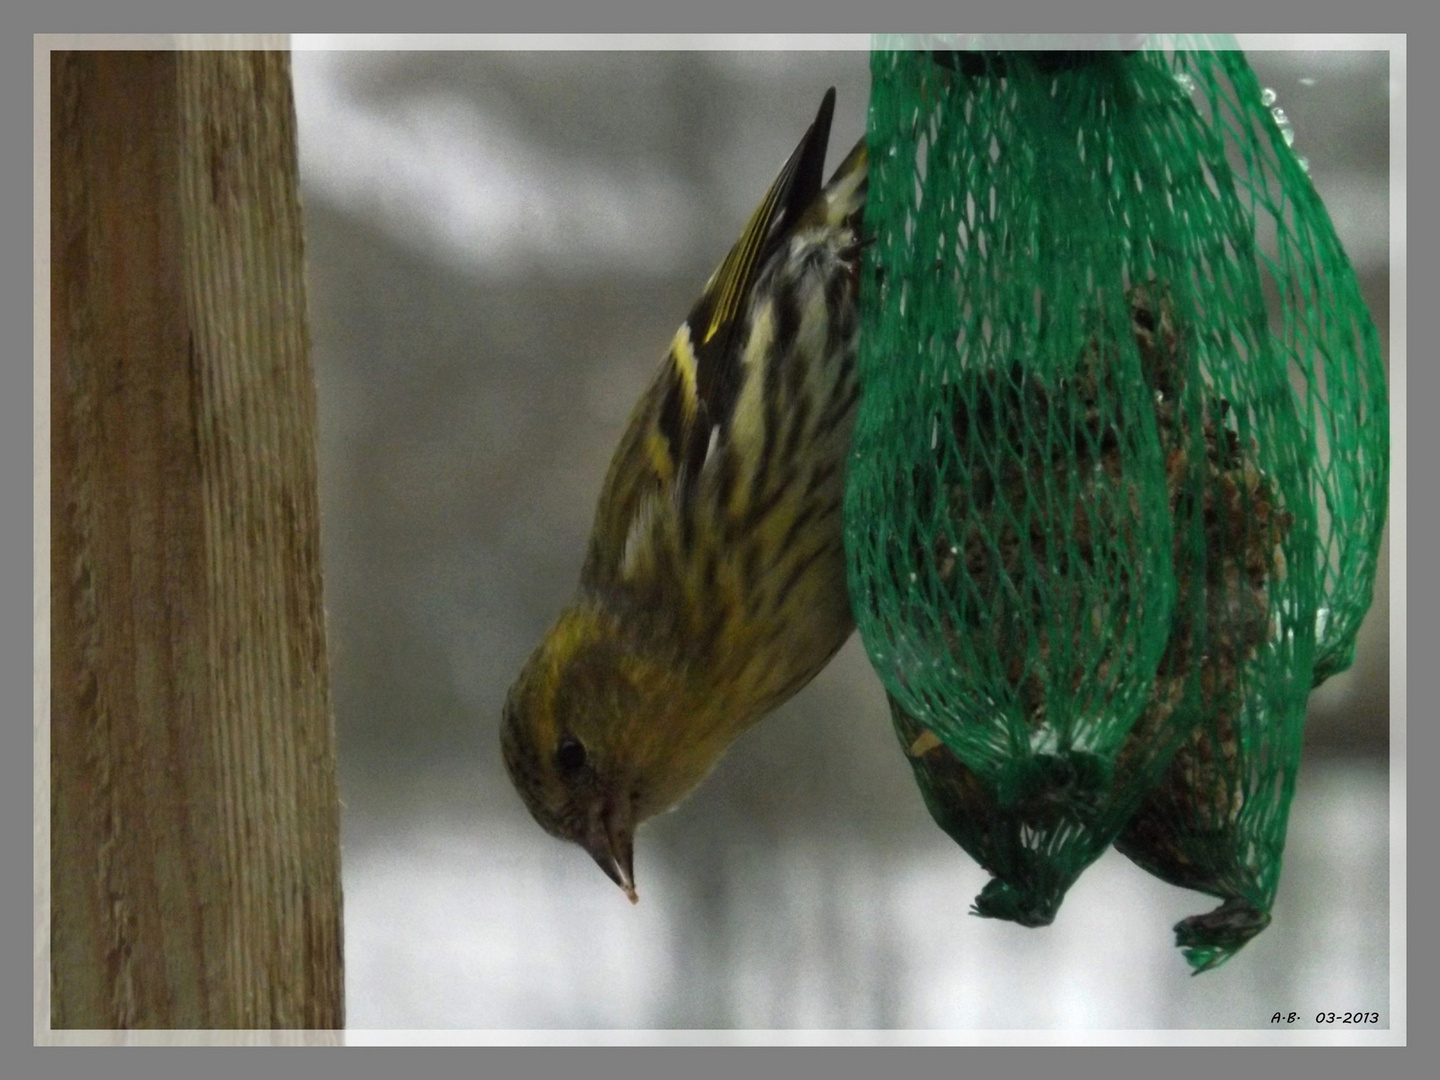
point(714, 586)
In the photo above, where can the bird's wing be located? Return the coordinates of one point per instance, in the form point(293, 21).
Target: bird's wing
point(706, 354)
point(681, 421)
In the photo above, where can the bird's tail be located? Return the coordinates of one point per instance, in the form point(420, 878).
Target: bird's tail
point(845, 193)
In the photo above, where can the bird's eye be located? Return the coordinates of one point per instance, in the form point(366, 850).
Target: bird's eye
point(570, 754)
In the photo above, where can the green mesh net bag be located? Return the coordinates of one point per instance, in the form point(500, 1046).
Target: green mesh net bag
point(1110, 514)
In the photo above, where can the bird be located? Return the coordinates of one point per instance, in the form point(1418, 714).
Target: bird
point(714, 584)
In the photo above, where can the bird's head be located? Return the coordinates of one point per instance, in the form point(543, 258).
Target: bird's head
point(598, 737)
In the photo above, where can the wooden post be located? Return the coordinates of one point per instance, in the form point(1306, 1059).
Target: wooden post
point(195, 878)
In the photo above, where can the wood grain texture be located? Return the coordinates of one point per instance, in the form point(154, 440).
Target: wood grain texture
point(194, 811)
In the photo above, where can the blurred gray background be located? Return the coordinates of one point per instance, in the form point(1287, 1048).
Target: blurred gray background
point(499, 247)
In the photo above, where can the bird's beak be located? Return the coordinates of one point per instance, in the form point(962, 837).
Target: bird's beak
point(611, 843)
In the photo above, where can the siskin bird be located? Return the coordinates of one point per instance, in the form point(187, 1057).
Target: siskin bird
point(714, 584)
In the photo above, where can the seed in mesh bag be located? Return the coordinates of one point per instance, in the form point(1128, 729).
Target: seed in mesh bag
point(990, 553)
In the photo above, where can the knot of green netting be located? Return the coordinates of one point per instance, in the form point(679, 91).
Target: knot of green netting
point(1119, 467)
